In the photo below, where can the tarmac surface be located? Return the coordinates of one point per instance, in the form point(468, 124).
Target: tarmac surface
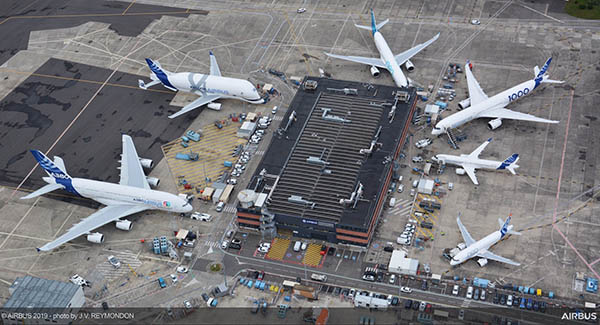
point(553, 198)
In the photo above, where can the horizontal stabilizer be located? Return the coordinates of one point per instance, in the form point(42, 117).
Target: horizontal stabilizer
point(46, 189)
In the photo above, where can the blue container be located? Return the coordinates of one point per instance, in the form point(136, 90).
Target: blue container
point(520, 288)
point(227, 163)
point(250, 284)
point(424, 98)
point(287, 298)
point(441, 104)
point(531, 291)
point(257, 285)
point(551, 295)
point(262, 286)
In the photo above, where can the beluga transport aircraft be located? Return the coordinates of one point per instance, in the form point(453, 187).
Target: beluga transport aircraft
point(131, 195)
point(209, 87)
point(470, 162)
point(494, 107)
point(480, 248)
point(387, 60)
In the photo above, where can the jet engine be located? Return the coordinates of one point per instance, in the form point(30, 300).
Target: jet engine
point(460, 171)
point(464, 103)
point(153, 181)
point(410, 67)
point(494, 124)
point(374, 71)
point(124, 225)
point(214, 106)
point(146, 163)
point(96, 238)
point(482, 262)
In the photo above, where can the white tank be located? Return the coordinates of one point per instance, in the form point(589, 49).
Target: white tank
point(247, 198)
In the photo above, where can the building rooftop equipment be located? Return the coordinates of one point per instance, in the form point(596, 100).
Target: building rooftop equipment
point(425, 186)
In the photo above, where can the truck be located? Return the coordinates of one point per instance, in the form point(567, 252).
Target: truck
point(226, 193)
point(194, 136)
point(207, 193)
point(192, 156)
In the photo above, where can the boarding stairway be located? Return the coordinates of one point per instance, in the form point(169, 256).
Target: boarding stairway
point(451, 138)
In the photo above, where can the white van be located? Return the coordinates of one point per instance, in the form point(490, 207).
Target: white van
point(470, 292)
point(392, 202)
point(297, 246)
point(319, 277)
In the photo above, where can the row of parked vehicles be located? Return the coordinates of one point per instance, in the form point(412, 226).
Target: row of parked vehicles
point(502, 299)
point(406, 237)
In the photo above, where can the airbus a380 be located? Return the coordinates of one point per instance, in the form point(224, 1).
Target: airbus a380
point(387, 60)
point(131, 195)
point(480, 248)
point(209, 87)
point(471, 162)
point(494, 107)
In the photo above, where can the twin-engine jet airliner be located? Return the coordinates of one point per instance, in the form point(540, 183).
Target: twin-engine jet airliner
point(493, 107)
point(387, 60)
point(209, 87)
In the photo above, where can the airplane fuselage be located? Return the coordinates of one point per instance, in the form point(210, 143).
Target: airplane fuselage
point(497, 101)
point(471, 251)
point(463, 159)
point(110, 194)
point(207, 84)
point(390, 61)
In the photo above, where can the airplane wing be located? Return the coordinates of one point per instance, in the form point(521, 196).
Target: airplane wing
point(477, 152)
point(465, 233)
point(359, 59)
point(504, 113)
point(203, 100)
point(132, 173)
point(95, 220)
point(475, 92)
point(214, 67)
point(404, 56)
point(470, 170)
point(491, 256)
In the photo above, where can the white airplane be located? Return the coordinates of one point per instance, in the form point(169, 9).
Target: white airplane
point(471, 162)
point(131, 195)
point(493, 107)
point(480, 248)
point(387, 60)
point(209, 87)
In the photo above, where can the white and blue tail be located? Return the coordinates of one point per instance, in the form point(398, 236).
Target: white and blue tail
point(510, 163)
point(58, 177)
point(541, 76)
point(158, 75)
point(375, 27)
point(506, 228)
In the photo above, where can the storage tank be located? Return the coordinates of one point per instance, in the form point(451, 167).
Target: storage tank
point(247, 198)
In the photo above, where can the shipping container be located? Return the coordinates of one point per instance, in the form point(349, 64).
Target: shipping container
point(208, 193)
point(226, 193)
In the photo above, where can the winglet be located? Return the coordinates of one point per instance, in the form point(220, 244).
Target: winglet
point(490, 140)
point(210, 53)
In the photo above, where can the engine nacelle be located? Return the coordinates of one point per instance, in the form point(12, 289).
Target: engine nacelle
point(482, 262)
point(214, 106)
point(374, 71)
point(124, 225)
point(464, 103)
point(494, 124)
point(153, 181)
point(410, 67)
point(460, 171)
point(146, 163)
point(96, 238)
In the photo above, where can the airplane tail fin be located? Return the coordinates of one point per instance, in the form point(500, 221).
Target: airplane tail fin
point(541, 76)
point(508, 227)
point(54, 169)
point(510, 163)
point(158, 74)
point(374, 28)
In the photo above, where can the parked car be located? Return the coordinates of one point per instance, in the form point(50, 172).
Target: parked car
point(408, 304)
point(469, 292)
point(225, 244)
point(422, 306)
point(482, 296)
point(304, 245)
point(187, 304)
point(392, 279)
point(475, 22)
point(509, 300)
point(529, 303)
point(173, 278)
point(182, 269)
point(455, 290)
point(476, 294)
point(400, 188)
point(220, 206)
point(331, 251)
point(162, 283)
point(368, 277)
point(424, 285)
point(461, 314)
point(301, 10)
point(423, 143)
point(114, 262)
point(405, 289)
point(417, 159)
point(201, 216)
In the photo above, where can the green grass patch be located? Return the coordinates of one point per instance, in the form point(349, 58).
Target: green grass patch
point(586, 9)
